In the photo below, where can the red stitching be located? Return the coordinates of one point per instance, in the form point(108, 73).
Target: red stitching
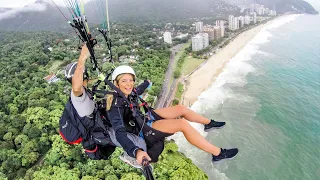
point(91, 151)
point(73, 142)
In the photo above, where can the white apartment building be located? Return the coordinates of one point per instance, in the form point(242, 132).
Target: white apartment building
point(252, 8)
point(167, 37)
point(199, 26)
point(260, 11)
point(200, 41)
point(236, 23)
point(205, 39)
point(254, 17)
point(272, 13)
point(231, 22)
point(222, 31)
point(247, 20)
point(220, 23)
point(241, 21)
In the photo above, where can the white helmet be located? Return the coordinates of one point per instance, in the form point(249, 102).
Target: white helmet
point(122, 70)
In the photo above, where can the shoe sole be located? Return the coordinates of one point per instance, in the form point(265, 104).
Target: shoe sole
point(213, 128)
point(124, 160)
point(217, 162)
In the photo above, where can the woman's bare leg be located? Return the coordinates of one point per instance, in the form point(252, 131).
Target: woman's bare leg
point(181, 110)
point(193, 136)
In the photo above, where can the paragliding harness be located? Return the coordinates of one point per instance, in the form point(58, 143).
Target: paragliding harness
point(94, 137)
point(154, 139)
point(91, 131)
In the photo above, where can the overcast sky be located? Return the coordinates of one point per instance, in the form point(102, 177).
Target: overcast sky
point(15, 3)
point(21, 3)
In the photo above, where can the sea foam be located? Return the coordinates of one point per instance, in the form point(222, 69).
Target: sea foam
point(215, 97)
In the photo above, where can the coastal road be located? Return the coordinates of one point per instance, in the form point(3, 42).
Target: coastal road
point(170, 96)
point(165, 90)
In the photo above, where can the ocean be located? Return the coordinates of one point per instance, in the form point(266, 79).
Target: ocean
point(269, 96)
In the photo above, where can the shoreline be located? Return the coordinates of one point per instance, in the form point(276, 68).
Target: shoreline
point(206, 73)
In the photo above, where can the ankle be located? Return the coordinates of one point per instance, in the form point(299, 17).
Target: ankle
point(218, 153)
point(206, 123)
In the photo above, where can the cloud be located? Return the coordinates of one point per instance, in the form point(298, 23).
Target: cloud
point(29, 8)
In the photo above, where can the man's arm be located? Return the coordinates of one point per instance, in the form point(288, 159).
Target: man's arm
point(77, 79)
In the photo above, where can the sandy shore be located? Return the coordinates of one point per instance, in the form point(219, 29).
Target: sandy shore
point(200, 80)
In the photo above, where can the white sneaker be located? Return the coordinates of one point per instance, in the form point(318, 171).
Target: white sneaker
point(130, 160)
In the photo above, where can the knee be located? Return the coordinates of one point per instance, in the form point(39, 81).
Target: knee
point(181, 108)
point(183, 124)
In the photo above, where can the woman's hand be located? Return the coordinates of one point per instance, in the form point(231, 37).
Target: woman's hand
point(141, 155)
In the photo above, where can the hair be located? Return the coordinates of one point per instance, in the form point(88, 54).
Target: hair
point(109, 97)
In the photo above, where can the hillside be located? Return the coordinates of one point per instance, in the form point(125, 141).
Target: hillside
point(45, 16)
point(281, 6)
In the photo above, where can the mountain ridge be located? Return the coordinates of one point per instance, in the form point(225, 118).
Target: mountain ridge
point(138, 11)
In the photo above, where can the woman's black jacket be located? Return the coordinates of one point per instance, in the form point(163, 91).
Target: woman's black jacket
point(120, 115)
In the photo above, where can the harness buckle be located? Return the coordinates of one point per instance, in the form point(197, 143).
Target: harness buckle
point(132, 123)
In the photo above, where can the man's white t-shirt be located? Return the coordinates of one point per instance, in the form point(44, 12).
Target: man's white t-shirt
point(83, 104)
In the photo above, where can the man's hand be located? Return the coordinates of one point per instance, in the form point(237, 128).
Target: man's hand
point(140, 155)
point(85, 54)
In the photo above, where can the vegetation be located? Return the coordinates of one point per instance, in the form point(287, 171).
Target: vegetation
point(190, 64)
point(180, 91)
point(30, 108)
point(177, 72)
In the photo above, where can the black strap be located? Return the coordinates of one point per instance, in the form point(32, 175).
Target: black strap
point(100, 123)
point(87, 38)
point(147, 170)
point(116, 89)
point(108, 41)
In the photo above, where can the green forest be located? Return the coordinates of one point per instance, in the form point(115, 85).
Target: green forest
point(30, 144)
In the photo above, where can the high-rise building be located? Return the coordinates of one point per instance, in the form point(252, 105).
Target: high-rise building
point(231, 22)
point(272, 13)
point(247, 20)
point(236, 23)
point(210, 31)
point(252, 8)
point(167, 37)
point(222, 31)
point(267, 11)
point(197, 43)
point(241, 21)
point(220, 23)
point(217, 32)
point(256, 7)
point(200, 41)
point(254, 17)
point(260, 10)
point(199, 26)
point(205, 39)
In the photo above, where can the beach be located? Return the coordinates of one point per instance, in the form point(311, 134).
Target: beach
point(205, 75)
point(268, 95)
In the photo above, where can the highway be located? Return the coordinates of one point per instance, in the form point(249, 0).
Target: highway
point(166, 93)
